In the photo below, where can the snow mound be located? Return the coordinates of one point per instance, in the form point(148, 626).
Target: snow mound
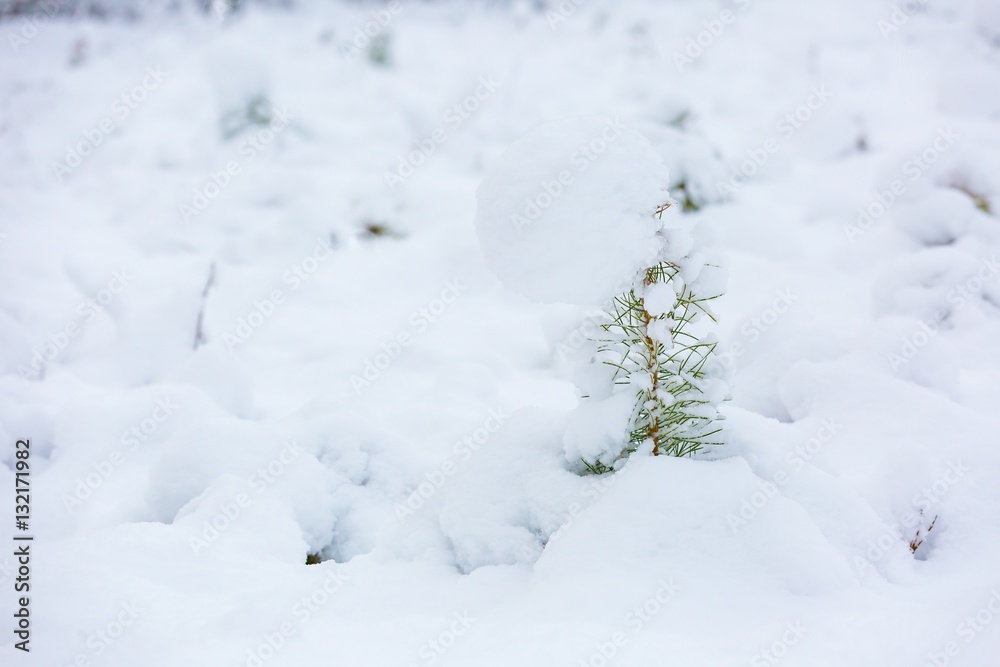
point(566, 213)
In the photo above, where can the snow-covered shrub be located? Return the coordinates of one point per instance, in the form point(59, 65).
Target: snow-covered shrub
point(651, 376)
point(573, 213)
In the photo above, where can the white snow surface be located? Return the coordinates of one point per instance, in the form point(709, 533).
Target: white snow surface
point(379, 397)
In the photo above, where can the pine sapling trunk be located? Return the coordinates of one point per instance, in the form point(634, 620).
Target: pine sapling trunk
point(653, 368)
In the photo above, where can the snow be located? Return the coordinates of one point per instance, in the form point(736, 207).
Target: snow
point(603, 426)
point(659, 298)
point(660, 331)
point(566, 213)
point(177, 491)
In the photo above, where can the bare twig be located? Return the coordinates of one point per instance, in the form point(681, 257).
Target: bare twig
point(199, 332)
point(918, 539)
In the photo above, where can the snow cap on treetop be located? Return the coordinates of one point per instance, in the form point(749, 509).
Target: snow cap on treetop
point(566, 214)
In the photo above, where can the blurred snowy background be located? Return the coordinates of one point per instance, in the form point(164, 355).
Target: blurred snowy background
point(245, 322)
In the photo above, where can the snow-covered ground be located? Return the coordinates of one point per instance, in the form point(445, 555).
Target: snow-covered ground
point(245, 318)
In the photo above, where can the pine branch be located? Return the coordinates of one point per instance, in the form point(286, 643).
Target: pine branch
point(672, 415)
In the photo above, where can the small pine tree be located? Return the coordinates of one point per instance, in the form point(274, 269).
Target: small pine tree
point(650, 339)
